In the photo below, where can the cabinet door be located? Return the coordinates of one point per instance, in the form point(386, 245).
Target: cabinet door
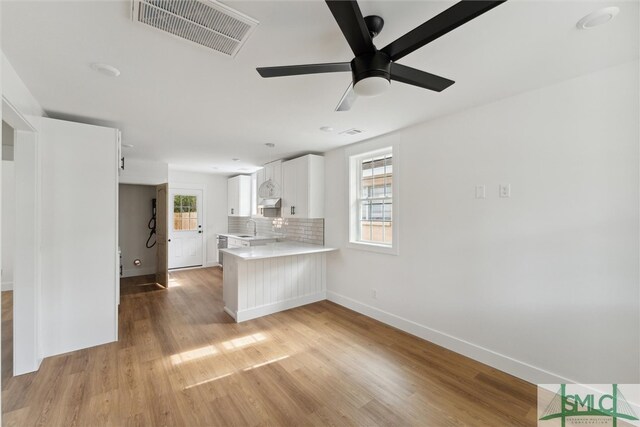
point(233, 196)
point(260, 178)
point(243, 196)
point(315, 187)
point(301, 206)
point(303, 187)
point(296, 188)
point(274, 173)
point(289, 188)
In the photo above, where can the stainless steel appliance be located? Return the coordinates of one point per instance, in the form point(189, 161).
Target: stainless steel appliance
point(222, 244)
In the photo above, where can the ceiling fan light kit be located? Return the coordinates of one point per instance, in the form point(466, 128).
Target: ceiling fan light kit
point(372, 69)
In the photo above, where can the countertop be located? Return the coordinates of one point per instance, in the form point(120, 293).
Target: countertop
point(247, 237)
point(273, 250)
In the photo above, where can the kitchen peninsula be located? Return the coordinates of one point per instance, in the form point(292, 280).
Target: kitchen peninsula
point(266, 279)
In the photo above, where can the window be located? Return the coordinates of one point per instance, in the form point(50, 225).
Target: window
point(185, 213)
point(371, 192)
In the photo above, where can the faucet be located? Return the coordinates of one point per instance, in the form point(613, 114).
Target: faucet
point(255, 226)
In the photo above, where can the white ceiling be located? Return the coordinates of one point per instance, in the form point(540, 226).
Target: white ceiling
point(196, 109)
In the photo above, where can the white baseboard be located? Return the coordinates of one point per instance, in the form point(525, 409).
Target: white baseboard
point(21, 368)
point(496, 360)
point(230, 312)
point(264, 310)
point(138, 271)
point(7, 286)
point(212, 264)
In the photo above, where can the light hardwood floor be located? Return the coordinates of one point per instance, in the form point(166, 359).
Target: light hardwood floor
point(181, 361)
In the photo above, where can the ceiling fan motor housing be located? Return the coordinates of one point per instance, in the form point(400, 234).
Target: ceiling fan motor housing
point(375, 64)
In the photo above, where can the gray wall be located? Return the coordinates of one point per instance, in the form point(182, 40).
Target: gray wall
point(134, 215)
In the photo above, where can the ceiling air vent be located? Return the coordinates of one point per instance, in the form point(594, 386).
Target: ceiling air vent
point(352, 131)
point(207, 23)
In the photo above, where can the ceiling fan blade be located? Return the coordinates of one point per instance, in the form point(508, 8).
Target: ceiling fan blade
point(295, 70)
point(347, 99)
point(457, 15)
point(347, 14)
point(401, 73)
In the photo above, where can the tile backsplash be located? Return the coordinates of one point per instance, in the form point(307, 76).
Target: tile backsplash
point(300, 230)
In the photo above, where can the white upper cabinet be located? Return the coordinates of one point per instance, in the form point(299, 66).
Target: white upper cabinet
point(303, 187)
point(271, 171)
point(239, 196)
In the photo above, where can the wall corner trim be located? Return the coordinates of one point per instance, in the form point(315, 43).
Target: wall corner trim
point(496, 360)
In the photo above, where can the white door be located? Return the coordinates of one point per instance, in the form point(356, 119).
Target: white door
point(185, 228)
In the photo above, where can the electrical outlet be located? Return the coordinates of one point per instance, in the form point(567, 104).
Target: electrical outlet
point(374, 294)
point(505, 190)
point(481, 192)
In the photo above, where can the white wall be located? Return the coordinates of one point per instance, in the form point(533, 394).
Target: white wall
point(27, 275)
point(143, 172)
point(544, 284)
point(16, 92)
point(134, 214)
point(8, 223)
point(215, 204)
point(79, 179)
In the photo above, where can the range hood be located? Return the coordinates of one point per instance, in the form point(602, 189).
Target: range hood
point(269, 203)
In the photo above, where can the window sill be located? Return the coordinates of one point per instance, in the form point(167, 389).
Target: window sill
point(372, 247)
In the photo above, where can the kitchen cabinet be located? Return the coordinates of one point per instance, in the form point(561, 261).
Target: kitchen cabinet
point(271, 171)
point(303, 187)
point(239, 196)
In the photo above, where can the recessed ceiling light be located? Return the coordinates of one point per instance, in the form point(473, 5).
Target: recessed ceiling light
point(235, 159)
point(127, 145)
point(598, 17)
point(106, 69)
point(352, 131)
point(270, 144)
point(326, 129)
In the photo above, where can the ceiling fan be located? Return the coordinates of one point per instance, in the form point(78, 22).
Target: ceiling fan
point(372, 68)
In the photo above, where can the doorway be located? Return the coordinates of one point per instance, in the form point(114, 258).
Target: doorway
point(185, 228)
point(137, 228)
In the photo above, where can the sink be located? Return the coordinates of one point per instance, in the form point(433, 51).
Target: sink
point(244, 235)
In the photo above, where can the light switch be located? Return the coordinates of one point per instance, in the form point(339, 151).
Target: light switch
point(481, 192)
point(505, 190)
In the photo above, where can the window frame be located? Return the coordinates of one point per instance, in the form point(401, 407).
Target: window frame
point(354, 165)
point(197, 219)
